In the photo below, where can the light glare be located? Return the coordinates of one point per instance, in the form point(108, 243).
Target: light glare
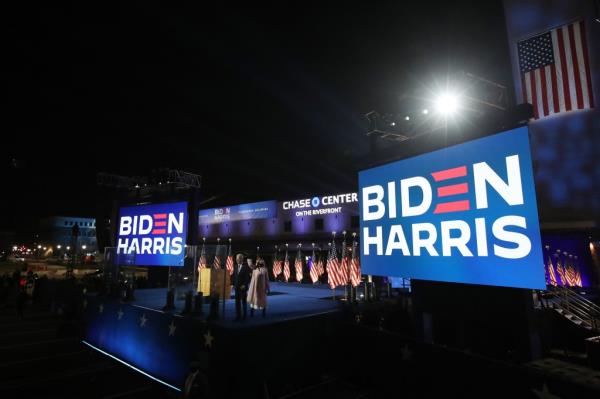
point(446, 104)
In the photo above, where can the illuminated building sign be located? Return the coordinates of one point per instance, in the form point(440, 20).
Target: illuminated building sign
point(464, 214)
point(315, 206)
point(153, 234)
point(255, 210)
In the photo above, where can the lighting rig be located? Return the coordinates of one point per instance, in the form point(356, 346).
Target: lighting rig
point(460, 100)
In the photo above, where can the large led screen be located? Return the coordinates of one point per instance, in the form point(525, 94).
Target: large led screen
point(153, 235)
point(466, 214)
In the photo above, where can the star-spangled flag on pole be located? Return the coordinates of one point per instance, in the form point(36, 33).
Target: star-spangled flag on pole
point(355, 274)
point(276, 265)
point(344, 272)
point(202, 261)
point(572, 274)
point(551, 273)
point(217, 260)
point(313, 268)
point(298, 266)
point(555, 70)
point(286, 267)
point(561, 272)
point(229, 262)
point(320, 267)
point(333, 274)
point(330, 278)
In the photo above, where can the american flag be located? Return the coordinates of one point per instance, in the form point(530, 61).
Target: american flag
point(578, 282)
point(555, 70)
point(276, 266)
point(217, 260)
point(298, 266)
point(551, 273)
point(313, 268)
point(344, 272)
point(333, 276)
point(202, 261)
point(320, 267)
point(561, 272)
point(229, 262)
point(355, 274)
point(286, 267)
point(572, 274)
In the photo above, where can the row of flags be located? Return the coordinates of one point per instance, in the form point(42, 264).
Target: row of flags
point(566, 274)
point(203, 263)
point(338, 272)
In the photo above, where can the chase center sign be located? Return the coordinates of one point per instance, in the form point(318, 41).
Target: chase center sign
point(328, 204)
point(466, 213)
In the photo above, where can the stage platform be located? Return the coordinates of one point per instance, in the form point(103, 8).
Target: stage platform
point(301, 319)
point(286, 301)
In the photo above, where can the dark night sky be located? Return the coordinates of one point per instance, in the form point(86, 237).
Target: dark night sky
point(264, 101)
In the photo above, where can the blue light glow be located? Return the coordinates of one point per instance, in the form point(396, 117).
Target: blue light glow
point(130, 366)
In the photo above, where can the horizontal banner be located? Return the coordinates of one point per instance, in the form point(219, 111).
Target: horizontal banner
point(255, 210)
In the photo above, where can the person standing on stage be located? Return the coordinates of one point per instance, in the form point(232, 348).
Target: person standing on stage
point(241, 279)
point(259, 287)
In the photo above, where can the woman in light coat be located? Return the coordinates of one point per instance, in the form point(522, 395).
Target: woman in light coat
point(258, 289)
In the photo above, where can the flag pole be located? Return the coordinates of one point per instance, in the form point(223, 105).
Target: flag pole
point(347, 266)
point(213, 265)
point(274, 261)
point(225, 281)
point(312, 264)
point(194, 268)
point(299, 256)
point(329, 267)
point(333, 288)
point(352, 288)
point(202, 254)
point(284, 261)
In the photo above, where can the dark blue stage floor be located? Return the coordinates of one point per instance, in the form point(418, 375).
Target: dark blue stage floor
point(287, 301)
point(162, 345)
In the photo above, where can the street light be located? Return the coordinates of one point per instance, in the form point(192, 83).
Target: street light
point(68, 247)
point(83, 246)
point(39, 247)
point(58, 246)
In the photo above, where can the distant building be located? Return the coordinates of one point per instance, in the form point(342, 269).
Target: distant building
point(58, 230)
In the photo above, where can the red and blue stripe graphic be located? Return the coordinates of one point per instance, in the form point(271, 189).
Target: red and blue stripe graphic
point(451, 190)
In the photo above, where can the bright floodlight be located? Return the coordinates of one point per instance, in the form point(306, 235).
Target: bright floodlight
point(446, 104)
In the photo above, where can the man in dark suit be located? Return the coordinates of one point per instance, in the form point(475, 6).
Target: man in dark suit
point(241, 279)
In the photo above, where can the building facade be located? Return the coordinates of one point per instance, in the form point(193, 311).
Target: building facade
point(58, 231)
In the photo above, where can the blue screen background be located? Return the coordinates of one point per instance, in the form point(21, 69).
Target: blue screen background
point(155, 259)
point(527, 272)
